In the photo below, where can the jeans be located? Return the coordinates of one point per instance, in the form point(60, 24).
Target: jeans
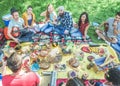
point(60, 30)
point(47, 28)
point(75, 32)
point(25, 36)
point(116, 46)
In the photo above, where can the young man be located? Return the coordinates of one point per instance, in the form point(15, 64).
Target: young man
point(113, 29)
point(18, 77)
point(15, 21)
point(18, 22)
point(65, 22)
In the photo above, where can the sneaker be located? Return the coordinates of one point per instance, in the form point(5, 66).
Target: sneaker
point(99, 38)
point(107, 42)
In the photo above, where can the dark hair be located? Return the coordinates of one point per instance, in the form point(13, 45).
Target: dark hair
point(86, 20)
point(74, 82)
point(14, 62)
point(29, 7)
point(118, 13)
point(13, 10)
point(113, 75)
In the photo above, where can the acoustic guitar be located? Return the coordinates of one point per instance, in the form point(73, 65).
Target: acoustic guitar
point(15, 32)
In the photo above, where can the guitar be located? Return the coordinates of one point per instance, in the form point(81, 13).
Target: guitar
point(15, 32)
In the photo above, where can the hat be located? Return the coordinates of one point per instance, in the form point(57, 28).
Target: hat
point(61, 8)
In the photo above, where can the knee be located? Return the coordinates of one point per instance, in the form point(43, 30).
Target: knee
point(97, 31)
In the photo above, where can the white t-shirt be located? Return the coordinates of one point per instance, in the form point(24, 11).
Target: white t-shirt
point(18, 23)
point(110, 32)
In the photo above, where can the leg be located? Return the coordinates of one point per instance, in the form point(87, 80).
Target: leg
point(59, 30)
point(44, 27)
point(48, 30)
point(100, 34)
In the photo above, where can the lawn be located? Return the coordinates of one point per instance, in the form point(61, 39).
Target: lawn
point(98, 10)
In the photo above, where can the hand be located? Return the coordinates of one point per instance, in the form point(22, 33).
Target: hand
point(47, 21)
point(97, 27)
point(66, 32)
point(26, 63)
point(55, 23)
point(115, 23)
point(16, 40)
point(75, 25)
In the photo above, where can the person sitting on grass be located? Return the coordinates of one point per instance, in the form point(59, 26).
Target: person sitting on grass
point(64, 22)
point(19, 77)
point(29, 18)
point(50, 19)
point(18, 22)
point(83, 24)
point(113, 29)
point(15, 21)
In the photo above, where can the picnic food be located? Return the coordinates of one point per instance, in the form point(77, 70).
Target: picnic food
point(74, 62)
point(44, 65)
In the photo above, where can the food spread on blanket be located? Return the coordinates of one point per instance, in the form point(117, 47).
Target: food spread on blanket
point(63, 58)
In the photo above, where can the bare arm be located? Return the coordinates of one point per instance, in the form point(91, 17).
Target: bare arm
point(43, 13)
point(102, 24)
point(116, 32)
point(86, 30)
point(10, 35)
point(107, 60)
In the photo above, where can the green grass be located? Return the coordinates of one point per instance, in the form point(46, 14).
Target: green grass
point(98, 10)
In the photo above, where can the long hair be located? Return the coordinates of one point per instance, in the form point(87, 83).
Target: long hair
point(48, 13)
point(86, 20)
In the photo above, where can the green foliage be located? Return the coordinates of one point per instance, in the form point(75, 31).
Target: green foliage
point(98, 10)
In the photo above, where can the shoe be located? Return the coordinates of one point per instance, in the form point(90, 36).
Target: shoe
point(99, 38)
point(107, 42)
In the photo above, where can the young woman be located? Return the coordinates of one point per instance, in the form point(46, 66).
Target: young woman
point(50, 19)
point(29, 17)
point(83, 24)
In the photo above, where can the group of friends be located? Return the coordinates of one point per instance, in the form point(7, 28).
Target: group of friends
point(63, 25)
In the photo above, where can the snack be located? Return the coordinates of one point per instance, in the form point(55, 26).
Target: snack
point(72, 74)
point(86, 49)
point(74, 62)
point(44, 65)
point(90, 58)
